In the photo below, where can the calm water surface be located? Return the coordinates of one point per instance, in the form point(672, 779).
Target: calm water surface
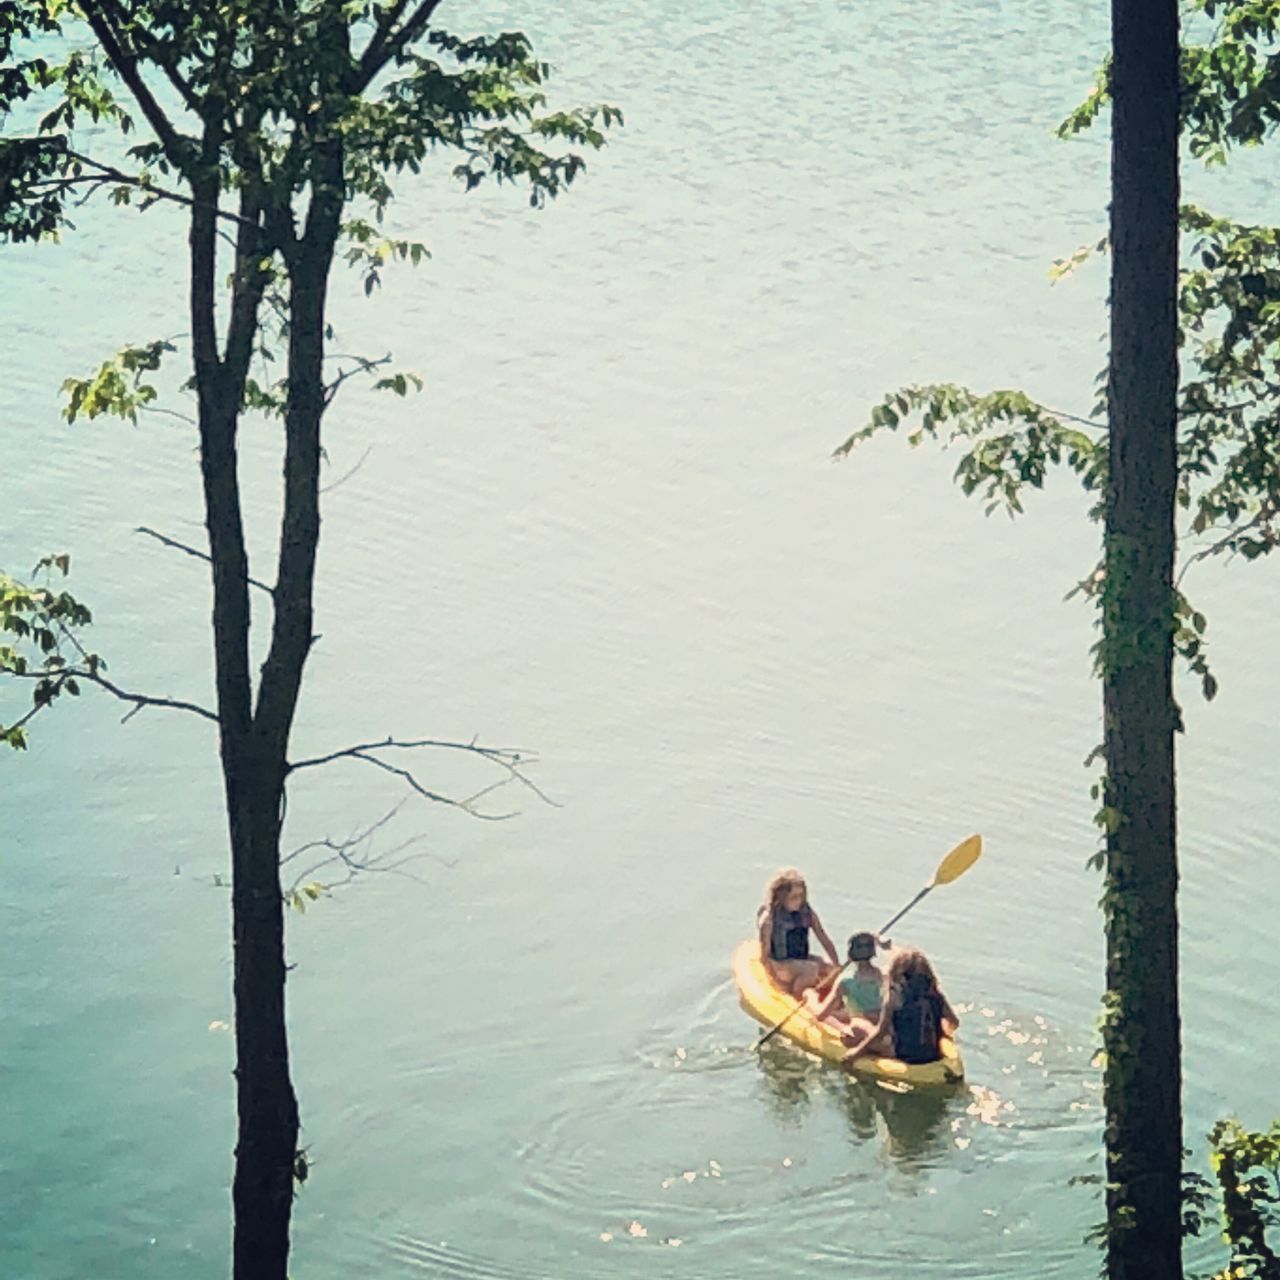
point(609, 532)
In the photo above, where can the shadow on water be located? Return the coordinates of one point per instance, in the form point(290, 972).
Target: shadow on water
point(911, 1122)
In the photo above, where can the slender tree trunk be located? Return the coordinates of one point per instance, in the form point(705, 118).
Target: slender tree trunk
point(254, 739)
point(253, 767)
point(1142, 1035)
point(266, 1108)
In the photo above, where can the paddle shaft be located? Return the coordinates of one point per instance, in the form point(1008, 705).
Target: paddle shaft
point(826, 982)
point(905, 909)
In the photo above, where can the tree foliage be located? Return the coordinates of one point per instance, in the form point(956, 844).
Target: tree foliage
point(284, 131)
point(1242, 1200)
point(235, 117)
point(1229, 333)
point(40, 643)
point(1212, 464)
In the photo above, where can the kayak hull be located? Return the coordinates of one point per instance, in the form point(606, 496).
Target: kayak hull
point(768, 1004)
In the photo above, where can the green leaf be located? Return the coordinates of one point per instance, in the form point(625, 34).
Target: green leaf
point(399, 383)
point(1109, 819)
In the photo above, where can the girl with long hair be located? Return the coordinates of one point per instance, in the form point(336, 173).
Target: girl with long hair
point(914, 1017)
point(786, 920)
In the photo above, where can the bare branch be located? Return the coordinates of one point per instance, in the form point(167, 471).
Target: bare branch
point(415, 785)
point(141, 700)
point(358, 837)
point(342, 479)
point(401, 744)
point(1075, 417)
point(514, 762)
point(192, 551)
point(356, 866)
point(355, 856)
point(169, 413)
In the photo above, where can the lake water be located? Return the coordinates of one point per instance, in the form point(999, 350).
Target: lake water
point(609, 532)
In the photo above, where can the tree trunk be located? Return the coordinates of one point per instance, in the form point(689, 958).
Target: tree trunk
point(1141, 1032)
point(254, 767)
point(266, 1108)
point(266, 1152)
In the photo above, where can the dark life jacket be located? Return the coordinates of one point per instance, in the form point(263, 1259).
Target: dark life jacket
point(790, 937)
point(917, 1025)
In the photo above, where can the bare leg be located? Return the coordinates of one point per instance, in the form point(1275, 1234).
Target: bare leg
point(797, 976)
point(859, 1029)
point(810, 975)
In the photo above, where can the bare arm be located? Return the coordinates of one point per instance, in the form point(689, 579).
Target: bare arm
point(950, 1019)
point(821, 1006)
point(825, 938)
point(766, 943)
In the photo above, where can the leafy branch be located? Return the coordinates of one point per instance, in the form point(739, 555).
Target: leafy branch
point(117, 388)
point(45, 648)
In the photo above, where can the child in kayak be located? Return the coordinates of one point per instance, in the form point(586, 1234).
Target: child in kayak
point(914, 1017)
point(855, 1000)
point(785, 921)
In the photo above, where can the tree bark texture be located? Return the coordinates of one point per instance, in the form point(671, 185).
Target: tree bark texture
point(1142, 1032)
point(266, 1107)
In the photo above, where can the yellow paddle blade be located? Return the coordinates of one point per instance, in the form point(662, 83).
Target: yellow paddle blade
point(958, 861)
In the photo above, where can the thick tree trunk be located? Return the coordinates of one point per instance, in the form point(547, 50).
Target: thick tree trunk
point(1142, 1036)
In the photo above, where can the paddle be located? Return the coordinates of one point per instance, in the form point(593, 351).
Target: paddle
point(952, 867)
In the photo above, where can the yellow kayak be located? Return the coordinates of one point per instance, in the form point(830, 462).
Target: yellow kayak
point(768, 1004)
